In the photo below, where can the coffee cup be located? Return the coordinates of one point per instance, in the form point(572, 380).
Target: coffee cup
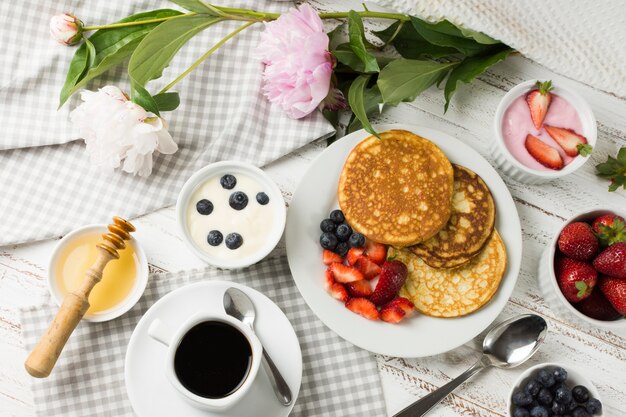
point(212, 359)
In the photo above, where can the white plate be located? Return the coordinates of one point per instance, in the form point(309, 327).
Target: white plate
point(151, 394)
point(420, 335)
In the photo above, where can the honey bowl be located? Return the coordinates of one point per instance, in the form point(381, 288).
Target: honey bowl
point(123, 281)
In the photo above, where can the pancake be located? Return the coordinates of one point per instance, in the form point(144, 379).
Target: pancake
point(396, 190)
point(470, 225)
point(458, 291)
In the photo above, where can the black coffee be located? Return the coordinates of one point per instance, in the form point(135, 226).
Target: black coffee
point(213, 359)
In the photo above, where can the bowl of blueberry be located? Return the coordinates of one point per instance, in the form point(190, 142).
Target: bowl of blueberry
point(549, 389)
point(231, 214)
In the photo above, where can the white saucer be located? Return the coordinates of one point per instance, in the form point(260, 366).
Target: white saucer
point(151, 394)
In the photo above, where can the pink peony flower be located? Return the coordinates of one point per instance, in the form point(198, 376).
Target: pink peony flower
point(66, 29)
point(117, 130)
point(298, 65)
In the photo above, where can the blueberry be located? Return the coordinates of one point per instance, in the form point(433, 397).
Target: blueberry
point(558, 409)
point(533, 387)
point(594, 406)
point(233, 240)
point(521, 412)
point(559, 374)
point(545, 396)
point(580, 412)
point(214, 238)
point(522, 398)
point(228, 181)
point(539, 411)
point(572, 405)
point(328, 241)
point(262, 198)
point(327, 225)
point(343, 232)
point(580, 393)
point(238, 200)
point(342, 248)
point(563, 395)
point(356, 240)
point(337, 216)
point(204, 207)
point(546, 378)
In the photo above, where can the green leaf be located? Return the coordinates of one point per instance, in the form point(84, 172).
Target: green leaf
point(584, 149)
point(372, 100)
point(358, 43)
point(614, 169)
point(405, 79)
point(197, 6)
point(446, 34)
point(582, 287)
point(347, 57)
point(478, 36)
point(411, 44)
point(142, 97)
point(357, 101)
point(167, 101)
point(111, 47)
point(470, 68)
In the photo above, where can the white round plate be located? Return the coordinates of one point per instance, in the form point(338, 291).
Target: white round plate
point(418, 335)
point(151, 394)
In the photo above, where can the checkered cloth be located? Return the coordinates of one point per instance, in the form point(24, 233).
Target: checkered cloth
point(338, 380)
point(48, 184)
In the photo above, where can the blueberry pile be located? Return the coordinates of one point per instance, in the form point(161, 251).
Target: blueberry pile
point(547, 395)
point(338, 236)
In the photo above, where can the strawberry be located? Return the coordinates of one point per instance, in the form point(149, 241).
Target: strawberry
point(359, 289)
point(353, 255)
point(392, 314)
point(406, 305)
point(329, 280)
point(363, 307)
point(612, 261)
point(343, 273)
point(576, 279)
point(328, 257)
point(392, 277)
point(538, 102)
point(367, 267)
point(570, 141)
point(545, 154)
point(610, 229)
point(597, 306)
point(377, 252)
point(614, 289)
point(577, 241)
point(338, 292)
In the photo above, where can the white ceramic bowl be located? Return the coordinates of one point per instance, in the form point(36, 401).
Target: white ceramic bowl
point(140, 282)
point(514, 168)
point(232, 167)
point(547, 277)
point(574, 377)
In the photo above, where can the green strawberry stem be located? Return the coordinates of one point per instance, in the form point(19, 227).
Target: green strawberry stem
point(582, 287)
point(544, 87)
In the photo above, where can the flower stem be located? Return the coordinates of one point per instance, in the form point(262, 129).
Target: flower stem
point(335, 15)
point(206, 55)
point(139, 22)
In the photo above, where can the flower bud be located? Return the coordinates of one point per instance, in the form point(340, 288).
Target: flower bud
point(66, 29)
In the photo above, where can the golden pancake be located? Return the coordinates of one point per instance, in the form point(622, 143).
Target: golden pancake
point(470, 225)
point(458, 291)
point(396, 190)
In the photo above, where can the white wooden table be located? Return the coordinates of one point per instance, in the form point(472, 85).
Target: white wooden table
point(599, 353)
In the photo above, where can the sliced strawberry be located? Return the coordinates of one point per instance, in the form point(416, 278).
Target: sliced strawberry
point(392, 277)
point(367, 267)
point(377, 252)
point(359, 289)
point(403, 303)
point(329, 280)
point(392, 314)
point(338, 292)
point(353, 255)
point(545, 154)
point(344, 273)
point(566, 138)
point(363, 307)
point(328, 257)
point(539, 101)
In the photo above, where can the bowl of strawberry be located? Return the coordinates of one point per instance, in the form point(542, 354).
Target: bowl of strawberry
point(583, 271)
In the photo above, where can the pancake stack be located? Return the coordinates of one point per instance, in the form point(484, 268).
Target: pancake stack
point(439, 218)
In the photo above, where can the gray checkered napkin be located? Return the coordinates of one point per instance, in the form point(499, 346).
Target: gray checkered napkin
point(339, 379)
point(48, 185)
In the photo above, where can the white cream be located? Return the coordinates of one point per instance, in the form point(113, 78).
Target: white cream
point(254, 223)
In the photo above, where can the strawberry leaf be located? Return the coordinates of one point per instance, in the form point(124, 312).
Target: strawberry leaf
point(584, 149)
point(582, 287)
point(614, 169)
point(612, 234)
point(544, 87)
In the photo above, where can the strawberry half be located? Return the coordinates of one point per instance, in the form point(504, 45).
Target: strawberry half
point(576, 279)
point(377, 252)
point(545, 154)
point(577, 241)
point(328, 257)
point(538, 102)
point(610, 229)
point(363, 307)
point(344, 273)
point(392, 314)
point(614, 289)
point(329, 280)
point(612, 261)
point(405, 304)
point(368, 268)
point(353, 255)
point(597, 306)
point(359, 289)
point(567, 139)
point(392, 277)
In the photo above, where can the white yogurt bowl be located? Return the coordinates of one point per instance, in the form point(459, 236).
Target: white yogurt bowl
point(514, 168)
point(245, 257)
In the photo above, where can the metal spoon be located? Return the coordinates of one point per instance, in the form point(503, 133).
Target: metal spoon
point(507, 345)
point(238, 305)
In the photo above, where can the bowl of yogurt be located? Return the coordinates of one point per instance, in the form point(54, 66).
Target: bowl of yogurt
point(231, 214)
point(548, 154)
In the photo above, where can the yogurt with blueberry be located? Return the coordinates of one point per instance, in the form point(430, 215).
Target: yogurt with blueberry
point(230, 216)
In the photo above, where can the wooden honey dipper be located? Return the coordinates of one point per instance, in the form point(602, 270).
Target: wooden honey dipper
point(45, 354)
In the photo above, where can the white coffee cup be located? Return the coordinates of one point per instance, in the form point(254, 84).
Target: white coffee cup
point(161, 332)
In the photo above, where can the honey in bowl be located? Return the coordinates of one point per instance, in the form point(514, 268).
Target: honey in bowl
point(118, 278)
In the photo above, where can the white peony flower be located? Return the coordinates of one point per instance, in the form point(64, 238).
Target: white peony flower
point(118, 132)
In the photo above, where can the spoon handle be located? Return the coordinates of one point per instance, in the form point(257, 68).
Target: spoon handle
point(424, 404)
point(281, 389)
